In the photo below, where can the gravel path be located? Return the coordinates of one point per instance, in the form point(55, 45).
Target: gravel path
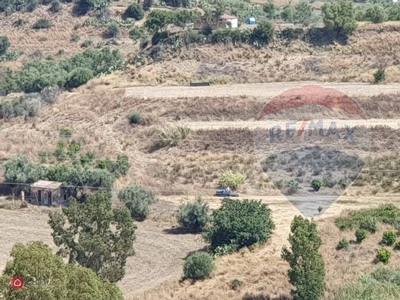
point(256, 89)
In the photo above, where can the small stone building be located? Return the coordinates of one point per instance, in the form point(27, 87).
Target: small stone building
point(47, 193)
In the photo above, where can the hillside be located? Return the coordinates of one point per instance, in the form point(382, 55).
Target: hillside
point(114, 87)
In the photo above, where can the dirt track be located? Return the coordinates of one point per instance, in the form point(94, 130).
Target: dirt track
point(267, 90)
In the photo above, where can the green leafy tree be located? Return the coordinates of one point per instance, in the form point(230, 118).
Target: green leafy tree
point(307, 268)
point(36, 263)
point(240, 224)
point(158, 19)
point(263, 34)
point(198, 266)
point(138, 200)
point(96, 237)
point(78, 77)
point(340, 16)
point(376, 14)
point(4, 44)
point(134, 11)
point(194, 216)
point(304, 13)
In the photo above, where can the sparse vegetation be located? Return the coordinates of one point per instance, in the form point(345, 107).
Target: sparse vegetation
point(198, 266)
point(193, 216)
point(4, 44)
point(171, 136)
point(41, 24)
point(135, 118)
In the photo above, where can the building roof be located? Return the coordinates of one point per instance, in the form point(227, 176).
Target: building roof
point(44, 184)
point(228, 17)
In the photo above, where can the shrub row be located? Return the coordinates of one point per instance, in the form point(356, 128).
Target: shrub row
point(37, 75)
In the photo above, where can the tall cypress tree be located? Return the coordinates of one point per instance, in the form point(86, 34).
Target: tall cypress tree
point(307, 268)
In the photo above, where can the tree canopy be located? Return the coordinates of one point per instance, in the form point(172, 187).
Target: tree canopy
point(47, 277)
point(95, 235)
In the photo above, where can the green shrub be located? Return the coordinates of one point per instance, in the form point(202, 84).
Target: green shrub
point(240, 224)
point(65, 132)
point(171, 136)
point(75, 37)
point(78, 77)
point(379, 76)
point(369, 225)
point(193, 216)
point(112, 30)
point(383, 255)
point(396, 246)
point(137, 33)
point(236, 284)
point(134, 11)
point(389, 238)
point(4, 44)
point(293, 187)
point(375, 13)
point(41, 24)
point(198, 266)
point(138, 200)
point(55, 6)
point(316, 184)
point(361, 235)
point(134, 118)
point(342, 244)
point(230, 179)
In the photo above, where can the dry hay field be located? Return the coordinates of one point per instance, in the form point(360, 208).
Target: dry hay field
point(97, 114)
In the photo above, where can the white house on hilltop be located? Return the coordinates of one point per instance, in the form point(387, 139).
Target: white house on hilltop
point(232, 19)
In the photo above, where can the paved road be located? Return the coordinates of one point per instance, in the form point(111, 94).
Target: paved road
point(256, 89)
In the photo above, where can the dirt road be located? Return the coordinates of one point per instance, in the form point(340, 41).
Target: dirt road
point(267, 90)
point(392, 123)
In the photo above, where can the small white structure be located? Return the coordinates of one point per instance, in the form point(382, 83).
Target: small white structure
point(232, 19)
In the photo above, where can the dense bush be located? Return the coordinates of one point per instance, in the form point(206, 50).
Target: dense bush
point(147, 4)
point(138, 200)
point(134, 11)
point(389, 238)
point(55, 6)
point(134, 118)
point(369, 225)
point(307, 267)
point(383, 255)
point(78, 77)
point(397, 246)
point(41, 24)
point(157, 19)
point(230, 179)
point(293, 186)
point(361, 235)
point(342, 244)
point(137, 33)
point(171, 136)
point(4, 44)
point(193, 216)
point(240, 224)
point(316, 184)
point(112, 30)
point(198, 266)
point(379, 75)
point(37, 75)
point(262, 34)
point(340, 16)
